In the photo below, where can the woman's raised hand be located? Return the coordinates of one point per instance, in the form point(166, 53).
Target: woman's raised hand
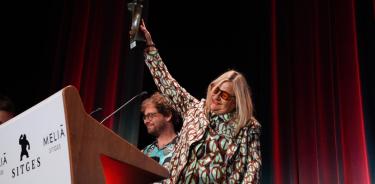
point(146, 33)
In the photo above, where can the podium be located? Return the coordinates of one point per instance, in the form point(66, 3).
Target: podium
point(56, 141)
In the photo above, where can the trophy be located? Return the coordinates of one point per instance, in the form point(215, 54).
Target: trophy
point(135, 8)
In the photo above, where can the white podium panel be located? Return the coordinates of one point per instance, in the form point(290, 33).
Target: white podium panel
point(34, 146)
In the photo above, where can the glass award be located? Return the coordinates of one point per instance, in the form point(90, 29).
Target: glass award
point(135, 8)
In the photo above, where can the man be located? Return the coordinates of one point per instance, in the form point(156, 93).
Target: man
point(6, 109)
point(161, 120)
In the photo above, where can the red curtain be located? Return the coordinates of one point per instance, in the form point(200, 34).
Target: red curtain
point(317, 119)
point(318, 127)
point(89, 52)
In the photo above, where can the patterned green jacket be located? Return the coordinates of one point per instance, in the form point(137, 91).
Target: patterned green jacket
point(208, 150)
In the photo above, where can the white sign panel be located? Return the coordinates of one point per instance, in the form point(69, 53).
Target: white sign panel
point(34, 146)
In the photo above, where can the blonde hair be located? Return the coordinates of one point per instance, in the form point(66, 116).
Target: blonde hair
point(244, 104)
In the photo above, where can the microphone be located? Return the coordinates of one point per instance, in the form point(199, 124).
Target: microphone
point(96, 110)
point(122, 106)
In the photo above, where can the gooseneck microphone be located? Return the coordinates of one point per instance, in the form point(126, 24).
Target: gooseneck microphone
point(96, 110)
point(123, 105)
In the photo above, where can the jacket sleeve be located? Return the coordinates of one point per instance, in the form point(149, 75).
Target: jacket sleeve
point(180, 99)
point(253, 160)
point(245, 159)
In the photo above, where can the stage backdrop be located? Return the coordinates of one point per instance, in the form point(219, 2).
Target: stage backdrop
point(316, 130)
point(91, 51)
point(317, 107)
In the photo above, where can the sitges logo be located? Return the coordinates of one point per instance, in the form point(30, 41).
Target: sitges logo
point(27, 164)
point(24, 146)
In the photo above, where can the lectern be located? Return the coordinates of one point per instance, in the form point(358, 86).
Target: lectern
point(56, 141)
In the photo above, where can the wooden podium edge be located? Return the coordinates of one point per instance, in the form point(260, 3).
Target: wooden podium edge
point(88, 139)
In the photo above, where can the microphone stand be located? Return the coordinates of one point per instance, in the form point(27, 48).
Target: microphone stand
point(140, 94)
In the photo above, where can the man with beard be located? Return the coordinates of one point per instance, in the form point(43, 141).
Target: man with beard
point(161, 121)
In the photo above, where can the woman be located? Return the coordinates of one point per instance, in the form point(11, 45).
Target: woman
point(219, 139)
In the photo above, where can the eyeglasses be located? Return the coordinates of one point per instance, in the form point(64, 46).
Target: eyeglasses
point(223, 94)
point(149, 116)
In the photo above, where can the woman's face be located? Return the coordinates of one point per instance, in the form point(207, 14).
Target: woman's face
point(222, 98)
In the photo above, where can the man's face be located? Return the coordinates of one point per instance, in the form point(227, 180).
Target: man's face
point(5, 116)
point(154, 121)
